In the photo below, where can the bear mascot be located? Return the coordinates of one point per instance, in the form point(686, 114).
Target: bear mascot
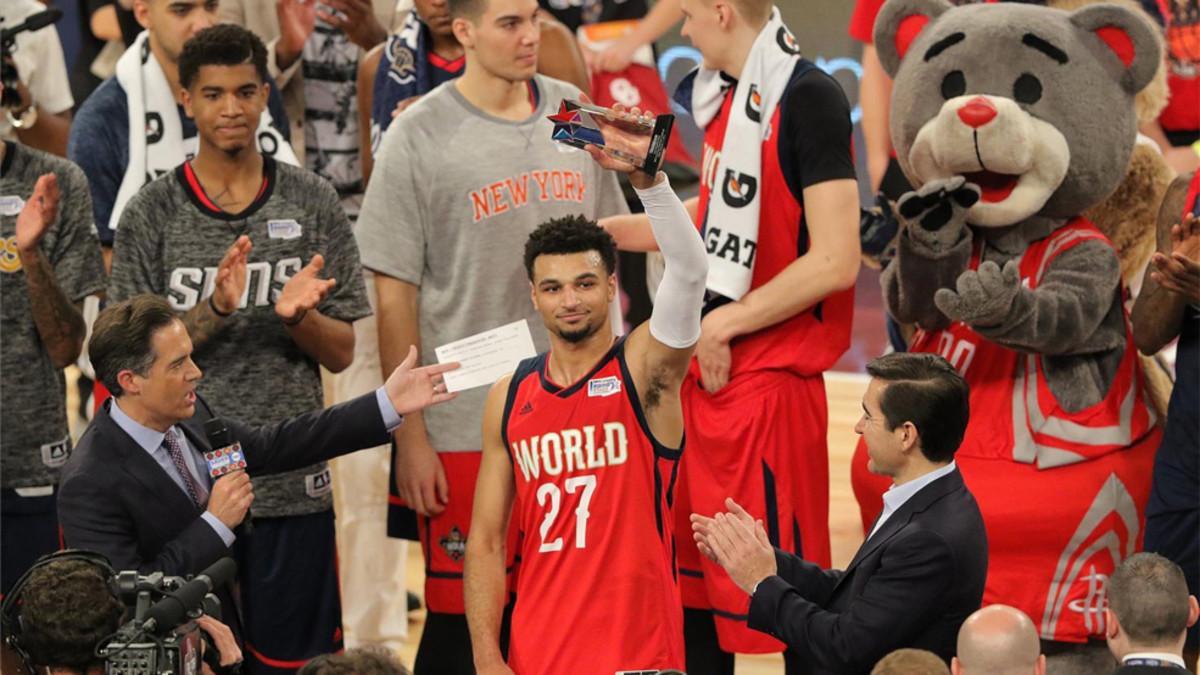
point(1014, 120)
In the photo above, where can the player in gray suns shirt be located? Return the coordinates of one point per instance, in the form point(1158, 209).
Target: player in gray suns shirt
point(462, 178)
point(272, 249)
point(49, 262)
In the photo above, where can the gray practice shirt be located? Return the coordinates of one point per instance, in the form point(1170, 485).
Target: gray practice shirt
point(453, 196)
point(34, 441)
point(170, 242)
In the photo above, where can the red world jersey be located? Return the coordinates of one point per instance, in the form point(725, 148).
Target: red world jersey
point(810, 342)
point(597, 591)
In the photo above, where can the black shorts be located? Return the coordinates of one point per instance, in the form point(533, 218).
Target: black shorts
point(290, 599)
point(28, 530)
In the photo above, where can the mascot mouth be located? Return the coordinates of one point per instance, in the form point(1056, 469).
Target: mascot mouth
point(994, 187)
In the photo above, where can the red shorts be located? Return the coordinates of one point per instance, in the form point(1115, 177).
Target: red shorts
point(761, 440)
point(1054, 536)
point(444, 537)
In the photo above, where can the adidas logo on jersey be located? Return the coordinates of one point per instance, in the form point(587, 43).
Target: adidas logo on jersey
point(526, 409)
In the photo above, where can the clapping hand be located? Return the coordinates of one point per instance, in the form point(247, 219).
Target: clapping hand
point(1180, 271)
point(738, 543)
point(304, 291)
point(231, 277)
point(40, 211)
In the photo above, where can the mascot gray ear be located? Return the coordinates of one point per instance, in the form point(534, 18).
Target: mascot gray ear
point(898, 25)
point(1123, 42)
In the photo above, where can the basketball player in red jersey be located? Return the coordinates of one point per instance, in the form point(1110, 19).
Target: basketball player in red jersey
point(584, 440)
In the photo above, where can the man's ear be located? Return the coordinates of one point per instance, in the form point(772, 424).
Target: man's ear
point(955, 666)
point(1112, 628)
point(185, 97)
point(141, 12)
point(909, 436)
point(897, 26)
point(463, 33)
point(129, 382)
point(1193, 611)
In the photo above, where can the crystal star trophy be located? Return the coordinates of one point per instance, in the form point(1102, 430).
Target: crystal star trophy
point(639, 141)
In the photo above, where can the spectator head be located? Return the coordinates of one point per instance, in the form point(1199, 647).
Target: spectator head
point(500, 37)
point(66, 610)
point(171, 23)
point(1149, 608)
point(223, 72)
point(915, 412)
point(571, 262)
point(142, 353)
point(435, 14)
point(911, 662)
point(720, 29)
point(998, 640)
point(372, 660)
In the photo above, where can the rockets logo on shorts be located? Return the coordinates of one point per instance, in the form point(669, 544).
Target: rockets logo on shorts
point(739, 189)
point(1112, 518)
point(454, 544)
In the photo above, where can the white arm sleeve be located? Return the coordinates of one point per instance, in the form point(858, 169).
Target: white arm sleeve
point(675, 320)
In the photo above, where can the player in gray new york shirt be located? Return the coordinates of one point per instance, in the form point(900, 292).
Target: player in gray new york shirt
point(201, 238)
point(47, 266)
point(461, 180)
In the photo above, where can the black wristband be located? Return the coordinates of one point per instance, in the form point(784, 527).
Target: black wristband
point(297, 319)
point(212, 304)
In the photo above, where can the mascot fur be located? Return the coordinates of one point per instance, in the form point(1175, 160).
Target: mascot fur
point(1014, 121)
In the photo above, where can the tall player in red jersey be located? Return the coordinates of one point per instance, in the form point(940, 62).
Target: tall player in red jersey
point(778, 208)
point(583, 441)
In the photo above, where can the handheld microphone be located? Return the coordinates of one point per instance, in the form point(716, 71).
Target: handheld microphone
point(168, 613)
point(225, 457)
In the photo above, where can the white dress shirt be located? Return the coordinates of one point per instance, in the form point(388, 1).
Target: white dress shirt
point(1157, 656)
point(152, 442)
point(897, 495)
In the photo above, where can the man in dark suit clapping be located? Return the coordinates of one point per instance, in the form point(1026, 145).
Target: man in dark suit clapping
point(920, 572)
point(138, 489)
point(1149, 612)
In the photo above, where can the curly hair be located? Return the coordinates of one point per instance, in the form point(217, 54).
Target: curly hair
point(570, 234)
point(66, 610)
point(369, 660)
point(221, 45)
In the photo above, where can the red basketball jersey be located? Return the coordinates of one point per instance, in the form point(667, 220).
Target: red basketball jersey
point(597, 592)
point(810, 342)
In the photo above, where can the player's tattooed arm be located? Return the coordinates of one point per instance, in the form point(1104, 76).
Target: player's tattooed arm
point(59, 322)
point(207, 318)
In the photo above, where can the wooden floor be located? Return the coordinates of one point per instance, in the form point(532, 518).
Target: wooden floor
point(845, 394)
